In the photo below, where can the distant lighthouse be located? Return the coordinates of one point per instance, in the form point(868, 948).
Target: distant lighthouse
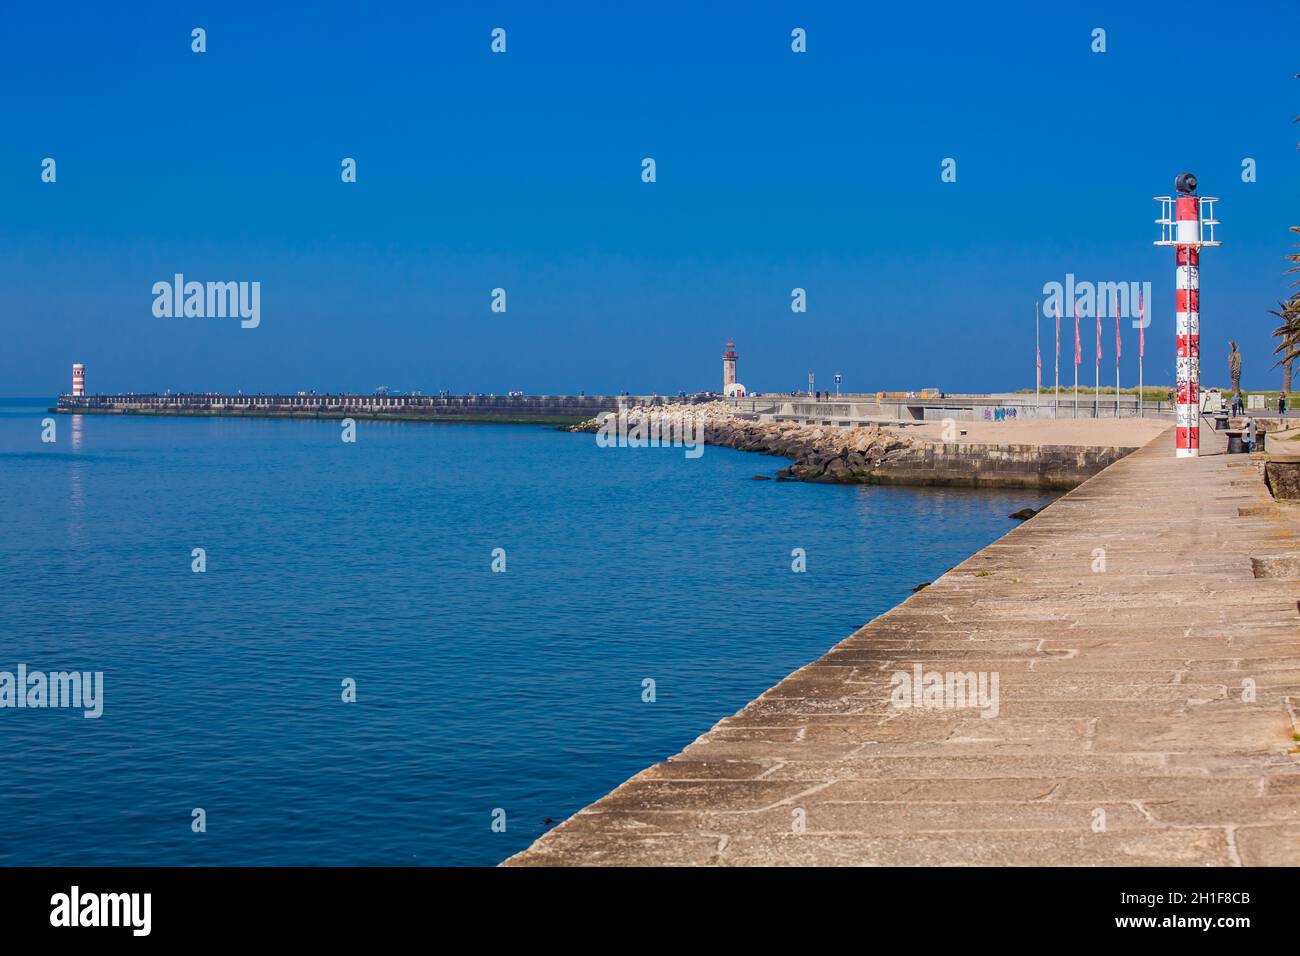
point(730, 387)
point(78, 380)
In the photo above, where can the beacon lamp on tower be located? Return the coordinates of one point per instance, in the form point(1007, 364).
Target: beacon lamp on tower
point(1187, 223)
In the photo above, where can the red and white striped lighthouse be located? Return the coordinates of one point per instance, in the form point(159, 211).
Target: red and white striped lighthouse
point(78, 380)
point(1187, 223)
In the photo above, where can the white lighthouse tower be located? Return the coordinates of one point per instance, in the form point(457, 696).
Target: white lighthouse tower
point(730, 387)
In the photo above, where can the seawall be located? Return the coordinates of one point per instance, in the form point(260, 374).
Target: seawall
point(857, 409)
point(867, 453)
point(975, 465)
point(850, 454)
point(1145, 636)
point(541, 409)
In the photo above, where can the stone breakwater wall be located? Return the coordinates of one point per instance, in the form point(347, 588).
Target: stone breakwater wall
point(550, 409)
point(867, 454)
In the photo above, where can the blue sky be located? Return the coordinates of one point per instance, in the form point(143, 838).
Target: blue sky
point(775, 170)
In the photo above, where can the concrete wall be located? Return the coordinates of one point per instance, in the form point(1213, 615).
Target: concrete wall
point(855, 410)
point(1053, 467)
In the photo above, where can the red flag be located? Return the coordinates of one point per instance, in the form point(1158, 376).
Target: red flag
point(1117, 342)
point(1142, 330)
point(1039, 357)
point(1078, 347)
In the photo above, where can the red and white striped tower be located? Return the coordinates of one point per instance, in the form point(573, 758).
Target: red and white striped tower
point(1187, 223)
point(78, 380)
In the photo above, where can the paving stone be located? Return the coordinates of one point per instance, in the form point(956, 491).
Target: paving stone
point(1268, 845)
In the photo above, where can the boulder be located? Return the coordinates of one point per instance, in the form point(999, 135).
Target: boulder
point(1277, 566)
point(816, 453)
point(1283, 479)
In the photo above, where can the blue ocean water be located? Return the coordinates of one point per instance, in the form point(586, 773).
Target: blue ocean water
point(476, 691)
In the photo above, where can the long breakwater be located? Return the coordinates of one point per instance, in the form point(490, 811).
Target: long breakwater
point(843, 452)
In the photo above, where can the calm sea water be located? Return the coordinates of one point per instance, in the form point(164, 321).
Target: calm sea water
point(372, 561)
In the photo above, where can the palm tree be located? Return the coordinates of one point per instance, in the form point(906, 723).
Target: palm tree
point(1234, 369)
point(1288, 334)
point(1287, 312)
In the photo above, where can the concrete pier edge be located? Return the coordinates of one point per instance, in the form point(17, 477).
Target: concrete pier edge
point(1148, 705)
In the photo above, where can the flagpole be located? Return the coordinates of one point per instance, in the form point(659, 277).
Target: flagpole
point(1096, 374)
point(1117, 356)
point(1038, 362)
point(1056, 367)
point(1142, 346)
point(1077, 356)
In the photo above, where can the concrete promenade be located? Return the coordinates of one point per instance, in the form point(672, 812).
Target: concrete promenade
point(1147, 712)
point(866, 409)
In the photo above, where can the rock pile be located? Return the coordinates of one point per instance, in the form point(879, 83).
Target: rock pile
point(846, 455)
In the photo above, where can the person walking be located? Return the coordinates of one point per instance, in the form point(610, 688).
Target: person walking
point(1248, 434)
point(1281, 405)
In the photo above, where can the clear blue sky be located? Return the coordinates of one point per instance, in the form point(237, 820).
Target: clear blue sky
point(522, 170)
